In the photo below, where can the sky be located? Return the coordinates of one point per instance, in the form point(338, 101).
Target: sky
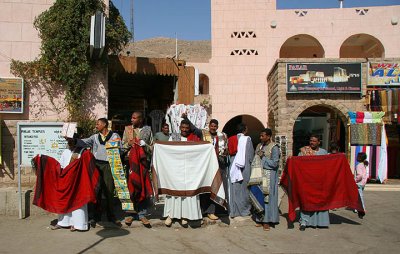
point(190, 19)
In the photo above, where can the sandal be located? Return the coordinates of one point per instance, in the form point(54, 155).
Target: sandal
point(73, 229)
point(55, 227)
point(258, 225)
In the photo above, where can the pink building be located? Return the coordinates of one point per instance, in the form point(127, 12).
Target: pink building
point(249, 36)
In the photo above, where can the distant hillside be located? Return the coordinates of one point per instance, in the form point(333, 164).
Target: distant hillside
point(191, 51)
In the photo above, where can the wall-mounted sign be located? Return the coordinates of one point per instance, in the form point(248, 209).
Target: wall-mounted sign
point(39, 138)
point(384, 74)
point(11, 95)
point(323, 77)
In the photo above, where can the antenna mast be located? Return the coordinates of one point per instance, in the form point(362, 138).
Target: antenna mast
point(132, 30)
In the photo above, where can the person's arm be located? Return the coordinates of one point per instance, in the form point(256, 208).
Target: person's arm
point(149, 143)
point(249, 150)
point(86, 142)
point(196, 131)
point(273, 163)
point(125, 141)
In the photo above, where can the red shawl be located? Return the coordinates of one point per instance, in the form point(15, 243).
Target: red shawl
point(63, 191)
point(139, 184)
point(193, 137)
point(232, 145)
point(319, 183)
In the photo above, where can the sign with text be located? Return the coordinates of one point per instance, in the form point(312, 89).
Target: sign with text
point(384, 74)
point(323, 77)
point(11, 95)
point(39, 138)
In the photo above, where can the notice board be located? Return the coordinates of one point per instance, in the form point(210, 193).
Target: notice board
point(39, 138)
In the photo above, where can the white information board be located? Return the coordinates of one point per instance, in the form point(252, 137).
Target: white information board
point(39, 138)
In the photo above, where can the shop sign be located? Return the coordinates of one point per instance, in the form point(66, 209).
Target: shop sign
point(323, 77)
point(11, 95)
point(384, 74)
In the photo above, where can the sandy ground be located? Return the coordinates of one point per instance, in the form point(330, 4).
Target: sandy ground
point(378, 232)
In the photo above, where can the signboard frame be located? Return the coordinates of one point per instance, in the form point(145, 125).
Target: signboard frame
point(20, 126)
point(303, 66)
point(21, 111)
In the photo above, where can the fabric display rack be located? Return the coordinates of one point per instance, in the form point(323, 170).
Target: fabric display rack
point(197, 114)
point(386, 100)
point(282, 144)
point(368, 135)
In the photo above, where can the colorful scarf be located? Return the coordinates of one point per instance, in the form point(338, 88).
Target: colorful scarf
point(139, 183)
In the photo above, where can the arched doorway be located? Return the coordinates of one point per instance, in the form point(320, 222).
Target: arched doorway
point(362, 46)
point(325, 121)
point(301, 46)
point(253, 124)
point(204, 84)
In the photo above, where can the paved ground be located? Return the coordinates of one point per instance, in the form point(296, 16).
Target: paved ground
point(378, 232)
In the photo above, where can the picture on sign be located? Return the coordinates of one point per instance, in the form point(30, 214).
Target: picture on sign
point(384, 74)
point(323, 77)
point(11, 95)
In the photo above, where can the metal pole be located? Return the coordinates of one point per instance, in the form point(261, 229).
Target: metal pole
point(176, 46)
point(19, 174)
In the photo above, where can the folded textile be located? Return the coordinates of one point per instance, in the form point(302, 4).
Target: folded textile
point(139, 183)
point(319, 183)
point(365, 134)
point(257, 198)
point(186, 169)
point(63, 191)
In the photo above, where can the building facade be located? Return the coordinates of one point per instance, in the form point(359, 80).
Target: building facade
point(249, 36)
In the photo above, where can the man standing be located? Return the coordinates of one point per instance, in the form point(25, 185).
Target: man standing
point(267, 157)
point(313, 218)
point(138, 140)
point(163, 135)
point(242, 152)
point(220, 143)
point(184, 208)
point(97, 143)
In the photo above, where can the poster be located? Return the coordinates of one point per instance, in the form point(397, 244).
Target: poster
point(40, 138)
point(384, 75)
point(323, 77)
point(11, 95)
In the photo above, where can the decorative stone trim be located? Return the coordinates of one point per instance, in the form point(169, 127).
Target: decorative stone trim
point(246, 52)
point(301, 13)
point(361, 11)
point(243, 34)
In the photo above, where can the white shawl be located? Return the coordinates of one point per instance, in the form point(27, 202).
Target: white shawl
point(239, 161)
point(187, 169)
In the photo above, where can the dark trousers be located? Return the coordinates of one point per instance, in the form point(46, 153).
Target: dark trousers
point(107, 187)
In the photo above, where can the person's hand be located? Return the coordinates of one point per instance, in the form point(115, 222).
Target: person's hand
point(260, 153)
point(142, 143)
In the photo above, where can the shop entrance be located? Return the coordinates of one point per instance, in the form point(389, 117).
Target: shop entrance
point(138, 92)
point(320, 120)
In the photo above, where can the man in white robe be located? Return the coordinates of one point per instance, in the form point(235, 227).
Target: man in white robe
point(77, 219)
point(184, 208)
